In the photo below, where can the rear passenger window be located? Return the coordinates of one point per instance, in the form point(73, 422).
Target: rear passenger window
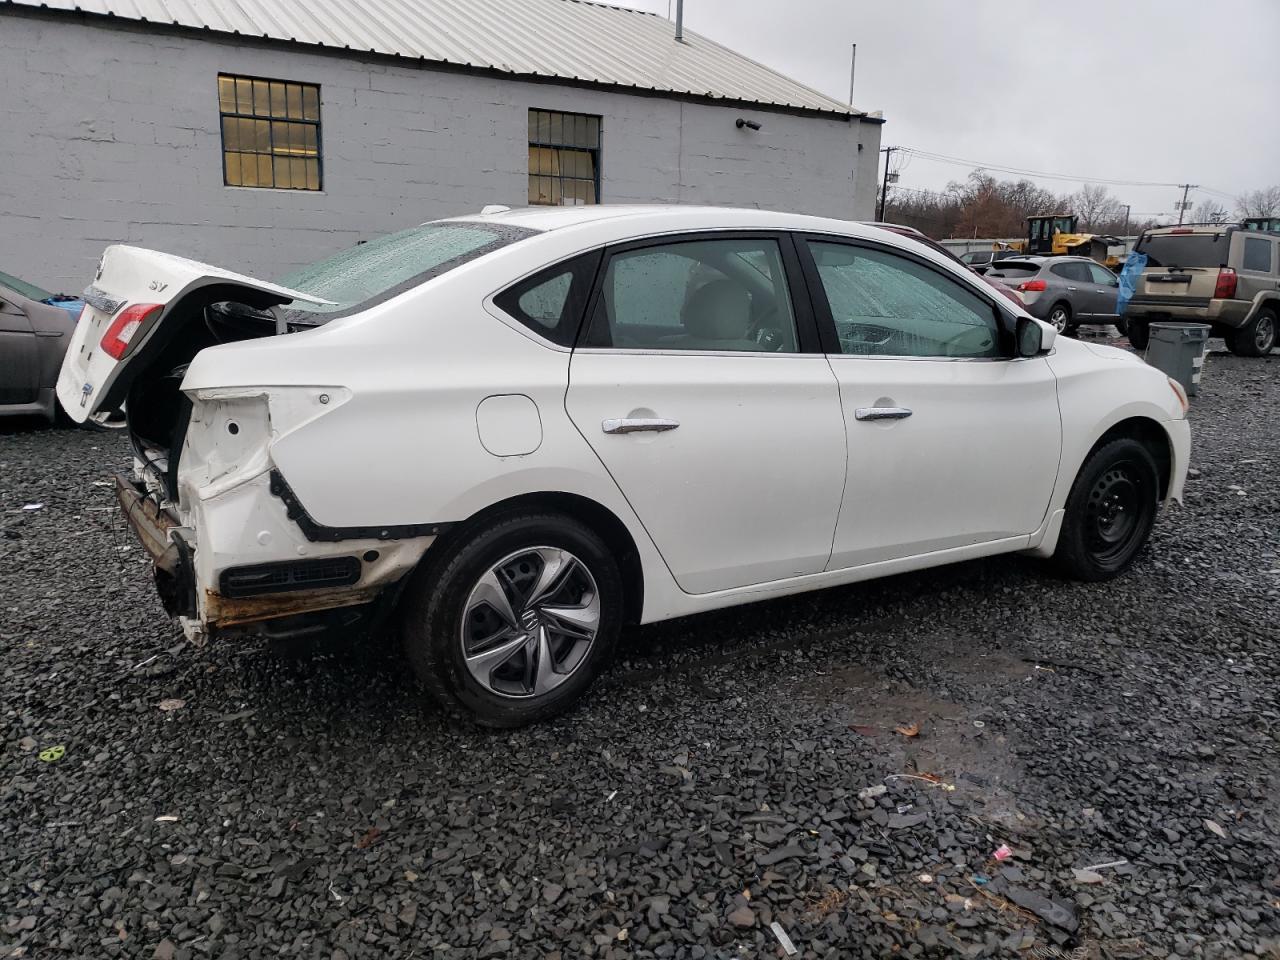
point(707, 295)
point(551, 303)
point(1257, 255)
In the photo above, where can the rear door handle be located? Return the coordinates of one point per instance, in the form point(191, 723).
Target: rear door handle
point(1071, 289)
point(638, 425)
point(881, 413)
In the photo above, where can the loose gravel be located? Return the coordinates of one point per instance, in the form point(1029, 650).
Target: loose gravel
point(1093, 770)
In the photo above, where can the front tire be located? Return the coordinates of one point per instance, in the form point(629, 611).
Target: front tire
point(513, 622)
point(1257, 338)
point(1109, 513)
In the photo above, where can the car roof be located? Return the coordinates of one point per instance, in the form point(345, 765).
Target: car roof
point(649, 217)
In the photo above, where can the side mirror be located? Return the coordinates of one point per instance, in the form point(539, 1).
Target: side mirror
point(1030, 337)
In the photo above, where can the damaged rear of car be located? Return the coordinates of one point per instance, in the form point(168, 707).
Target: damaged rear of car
point(234, 546)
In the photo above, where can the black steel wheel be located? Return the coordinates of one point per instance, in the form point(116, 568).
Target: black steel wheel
point(1109, 512)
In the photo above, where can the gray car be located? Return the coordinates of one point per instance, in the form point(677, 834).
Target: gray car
point(35, 329)
point(1065, 291)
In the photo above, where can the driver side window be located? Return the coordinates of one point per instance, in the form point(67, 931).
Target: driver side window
point(887, 305)
point(698, 295)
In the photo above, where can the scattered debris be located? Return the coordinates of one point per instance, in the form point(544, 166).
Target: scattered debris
point(925, 878)
point(369, 839)
point(784, 941)
point(53, 754)
point(1002, 852)
point(1107, 866)
point(609, 798)
point(336, 895)
point(32, 507)
point(930, 778)
point(166, 818)
point(908, 730)
point(832, 900)
point(410, 876)
point(870, 793)
point(864, 730)
point(979, 724)
point(1213, 827)
point(981, 879)
point(905, 807)
point(1084, 875)
point(1052, 911)
point(172, 704)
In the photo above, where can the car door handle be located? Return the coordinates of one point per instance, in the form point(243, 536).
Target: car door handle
point(638, 425)
point(1071, 289)
point(881, 413)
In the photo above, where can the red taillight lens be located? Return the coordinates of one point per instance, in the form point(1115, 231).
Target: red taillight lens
point(116, 340)
point(1225, 289)
point(1033, 286)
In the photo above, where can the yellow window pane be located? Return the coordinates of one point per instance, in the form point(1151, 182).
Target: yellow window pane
point(261, 105)
point(309, 141)
point(295, 101)
point(591, 192)
point(539, 190)
point(226, 95)
point(277, 100)
point(264, 171)
point(230, 133)
point(593, 132)
point(299, 167)
point(533, 125)
point(244, 95)
point(234, 177)
point(311, 102)
point(248, 170)
point(313, 174)
point(261, 135)
point(556, 134)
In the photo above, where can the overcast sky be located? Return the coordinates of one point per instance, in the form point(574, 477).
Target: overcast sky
point(1167, 91)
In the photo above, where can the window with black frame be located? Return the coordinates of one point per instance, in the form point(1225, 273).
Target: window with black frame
point(564, 158)
point(270, 133)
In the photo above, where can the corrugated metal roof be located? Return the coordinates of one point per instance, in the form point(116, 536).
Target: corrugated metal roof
point(570, 39)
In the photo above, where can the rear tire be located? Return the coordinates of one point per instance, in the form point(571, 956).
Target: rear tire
point(1139, 334)
point(1060, 318)
point(1109, 512)
point(530, 650)
point(1257, 337)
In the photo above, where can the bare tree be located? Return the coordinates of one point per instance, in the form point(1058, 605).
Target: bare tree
point(1095, 206)
point(1259, 203)
point(1210, 211)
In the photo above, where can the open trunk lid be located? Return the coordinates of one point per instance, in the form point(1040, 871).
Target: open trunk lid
point(135, 293)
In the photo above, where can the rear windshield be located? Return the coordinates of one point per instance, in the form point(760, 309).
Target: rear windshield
point(1007, 268)
point(1185, 249)
point(381, 268)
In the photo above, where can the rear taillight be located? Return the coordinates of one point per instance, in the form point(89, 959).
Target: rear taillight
point(1033, 286)
point(116, 340)
point(1225, 289)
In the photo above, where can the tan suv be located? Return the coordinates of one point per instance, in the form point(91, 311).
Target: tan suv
point(1215, 273)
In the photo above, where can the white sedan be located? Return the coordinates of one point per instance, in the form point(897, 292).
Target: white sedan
point(517, 431)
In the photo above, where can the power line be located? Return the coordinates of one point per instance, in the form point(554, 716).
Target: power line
point(1020, 171)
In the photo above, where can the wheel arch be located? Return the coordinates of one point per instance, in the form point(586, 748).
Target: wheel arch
point(1151, 435)
point(599, 518)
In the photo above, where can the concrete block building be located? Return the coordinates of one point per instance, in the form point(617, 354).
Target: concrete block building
point(264, 134)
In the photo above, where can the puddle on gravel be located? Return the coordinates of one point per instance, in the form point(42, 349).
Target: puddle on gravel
point(974, 757)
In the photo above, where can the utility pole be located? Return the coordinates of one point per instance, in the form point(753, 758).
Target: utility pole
point(884, 186)
point(1182, 207)
point(1125, 232)
point(853, 62)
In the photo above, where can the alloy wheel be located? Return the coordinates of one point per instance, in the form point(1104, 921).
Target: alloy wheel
point(1264, 334)
point(530, 621)
point(1058, 317)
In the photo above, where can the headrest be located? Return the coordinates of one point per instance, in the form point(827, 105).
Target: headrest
point(719, 310)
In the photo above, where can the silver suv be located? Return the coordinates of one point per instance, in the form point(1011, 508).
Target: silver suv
point(1064, 291)
point(1214, 273)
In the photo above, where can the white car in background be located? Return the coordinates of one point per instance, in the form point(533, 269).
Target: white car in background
point(519, 430)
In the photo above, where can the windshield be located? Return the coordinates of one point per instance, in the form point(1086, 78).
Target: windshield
point(1185, 249)
point(28, 290)
point(383, 267)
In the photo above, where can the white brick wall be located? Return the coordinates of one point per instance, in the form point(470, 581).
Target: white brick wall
point(109, 133)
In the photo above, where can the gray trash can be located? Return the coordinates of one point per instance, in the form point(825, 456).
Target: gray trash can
point(1178, 349)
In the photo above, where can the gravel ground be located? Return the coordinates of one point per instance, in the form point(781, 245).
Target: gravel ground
point(731, 771)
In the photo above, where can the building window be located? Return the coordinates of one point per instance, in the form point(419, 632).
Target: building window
point(270, 133)
point(564, 158)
